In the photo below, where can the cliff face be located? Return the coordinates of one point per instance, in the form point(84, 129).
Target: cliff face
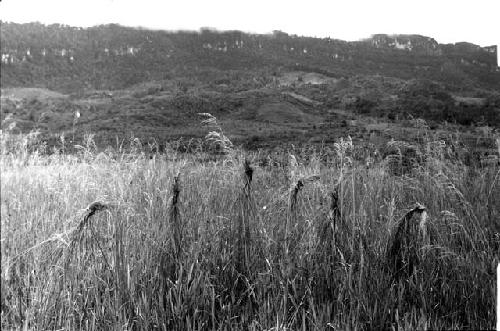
point(481, 56)
point(412, 43)
point(111, 56)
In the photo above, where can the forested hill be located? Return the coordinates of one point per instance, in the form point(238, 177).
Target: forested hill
point(68, 58)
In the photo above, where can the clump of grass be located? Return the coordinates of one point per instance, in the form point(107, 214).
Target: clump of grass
point(77, 271)
point(244, 219)
point(402, 157)
point(328, 230)
point(294, 192)
point(403, 254)
point(293, 232)
point(175, 217)
point(293, 229)
point(245, 216)
point(216, 138)
point(78, 236)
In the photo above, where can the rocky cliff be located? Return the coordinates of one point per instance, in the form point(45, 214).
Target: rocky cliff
point(111, 56)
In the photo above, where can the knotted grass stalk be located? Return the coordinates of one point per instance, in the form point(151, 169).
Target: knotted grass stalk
point(291, 221)
point(175, 217)
point(292, 203)
point(403, 250)
point(78, 237)
point(334, 214)
point(243, 221)
point(75, 264)
point(242, 249)
point(328, 230)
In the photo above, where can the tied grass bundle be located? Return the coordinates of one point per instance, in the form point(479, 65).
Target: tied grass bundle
point(294, 190)
point(330, 227)
point(403, 253)
point(245, 249)
point(79, 236)
point(291, 220)
point(244, 216)
point(291, 239)
point(175, 217)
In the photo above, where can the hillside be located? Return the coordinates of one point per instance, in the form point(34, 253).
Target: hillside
point(264, 89)
point(66, 58)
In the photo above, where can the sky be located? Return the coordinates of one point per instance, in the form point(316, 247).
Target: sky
point(447, 21)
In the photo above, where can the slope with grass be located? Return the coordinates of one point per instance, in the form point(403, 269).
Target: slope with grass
point(258, 115)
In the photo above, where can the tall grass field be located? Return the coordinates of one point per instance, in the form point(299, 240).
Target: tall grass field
point(334, 238)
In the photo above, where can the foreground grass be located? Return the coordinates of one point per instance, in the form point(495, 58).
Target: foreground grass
point(240, 251)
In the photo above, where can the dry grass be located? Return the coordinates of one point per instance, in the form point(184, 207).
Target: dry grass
point(256, 247)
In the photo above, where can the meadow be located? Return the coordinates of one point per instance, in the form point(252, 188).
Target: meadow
point(336, 238)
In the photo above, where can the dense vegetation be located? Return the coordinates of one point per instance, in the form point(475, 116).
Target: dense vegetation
point(304, 239)
point(266, 89)
point(114, 57)
point(255, 114)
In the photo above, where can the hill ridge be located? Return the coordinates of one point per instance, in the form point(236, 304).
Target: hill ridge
point(112, 56)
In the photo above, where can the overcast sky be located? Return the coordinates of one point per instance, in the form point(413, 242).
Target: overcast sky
point(447, 21)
